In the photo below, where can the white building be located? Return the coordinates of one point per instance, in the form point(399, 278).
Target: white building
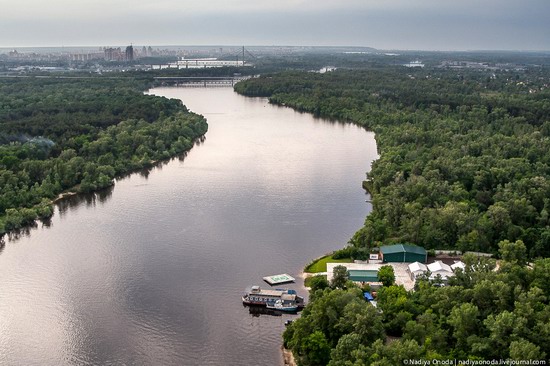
point(439, 268)
point(416, 269)
point(436, 268)
point(197, 63)
point(458, 264)
point(415, 64)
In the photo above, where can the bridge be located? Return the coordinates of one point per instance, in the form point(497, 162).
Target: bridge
point(200, 81)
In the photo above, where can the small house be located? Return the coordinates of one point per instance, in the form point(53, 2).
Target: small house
point(363, 275)
point(439, 268)
point(458, 264)
point(416, 269)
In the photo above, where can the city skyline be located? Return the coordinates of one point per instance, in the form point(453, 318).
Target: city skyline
point(395, 24)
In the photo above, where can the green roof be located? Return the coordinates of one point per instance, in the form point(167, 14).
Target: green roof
point(400, 248)
point(362, 275)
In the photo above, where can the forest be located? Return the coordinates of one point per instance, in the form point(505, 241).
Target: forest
point(78, 134)
point(464, 165)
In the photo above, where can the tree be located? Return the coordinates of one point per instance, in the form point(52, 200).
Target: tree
point(525, 350)
point(318, 283)
point(513, 252)
point(340, 276)
point(343, 353)
point(317, 349)
point(386, 275)
point(394, 353)
point(541, 275)
point(464, 320)
point(503, 327)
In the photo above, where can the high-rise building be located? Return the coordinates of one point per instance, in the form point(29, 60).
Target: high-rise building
point(130, 53)
point(113, 54)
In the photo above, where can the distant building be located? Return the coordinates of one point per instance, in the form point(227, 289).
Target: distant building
point(414, 64)
point(130, 53)
point(113, 54)
point(86, 56)
point(403, 253)
point(116, 54)
point(195, 63)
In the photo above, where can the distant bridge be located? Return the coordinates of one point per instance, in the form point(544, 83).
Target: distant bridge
point(201, 81)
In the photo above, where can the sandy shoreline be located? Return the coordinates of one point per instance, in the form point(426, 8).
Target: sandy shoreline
point(288, 357)
point(63, 195)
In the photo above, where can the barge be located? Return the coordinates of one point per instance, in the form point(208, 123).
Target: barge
point(273, 299)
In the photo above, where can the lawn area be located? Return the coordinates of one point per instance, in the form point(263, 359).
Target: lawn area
point(320, 265)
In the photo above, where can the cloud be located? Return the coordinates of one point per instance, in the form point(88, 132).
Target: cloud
point(419, 24)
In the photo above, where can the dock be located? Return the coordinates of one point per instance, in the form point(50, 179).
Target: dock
point(279, 279)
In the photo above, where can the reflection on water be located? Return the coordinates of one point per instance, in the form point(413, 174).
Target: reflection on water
point(261, 310)
point(17, 234)
point(257, 311)
point(151, 271)
point(87, 199)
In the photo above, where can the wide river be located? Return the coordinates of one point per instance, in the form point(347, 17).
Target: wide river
point(151, 272)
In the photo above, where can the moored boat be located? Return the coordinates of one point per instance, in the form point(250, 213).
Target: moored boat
point(257, 296)
point(284, 304)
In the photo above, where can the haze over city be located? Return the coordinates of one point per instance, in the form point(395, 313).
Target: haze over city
point(394, 24)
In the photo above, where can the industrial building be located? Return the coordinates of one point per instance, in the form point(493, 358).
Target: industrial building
point(195, 63)
point(403, 253)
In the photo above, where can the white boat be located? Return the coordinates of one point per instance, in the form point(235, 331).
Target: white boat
point(284, 305)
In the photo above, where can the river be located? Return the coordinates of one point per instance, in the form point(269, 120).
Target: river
point(150, 272)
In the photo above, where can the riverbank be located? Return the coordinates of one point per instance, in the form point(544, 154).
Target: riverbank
point(46, 209)
point(64, 195)
point(320, 264)
point(288, 357)
point(126, 147)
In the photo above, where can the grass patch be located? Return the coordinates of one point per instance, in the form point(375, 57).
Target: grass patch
point(320, 265)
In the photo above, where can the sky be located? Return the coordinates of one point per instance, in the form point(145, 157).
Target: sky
point(383, 24)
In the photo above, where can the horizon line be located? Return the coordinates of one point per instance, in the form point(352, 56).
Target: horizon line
point(289, 46)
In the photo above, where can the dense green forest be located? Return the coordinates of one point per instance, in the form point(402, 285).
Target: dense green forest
point(464, 164)
point(59, 134)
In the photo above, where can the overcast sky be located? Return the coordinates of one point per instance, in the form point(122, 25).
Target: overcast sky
point(383, 24)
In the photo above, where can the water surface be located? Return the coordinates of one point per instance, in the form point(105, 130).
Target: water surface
point(152, 270)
